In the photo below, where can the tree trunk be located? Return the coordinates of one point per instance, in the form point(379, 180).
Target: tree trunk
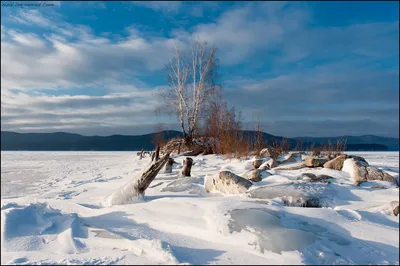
point(188, 141)
point(187, 166)
point(136, 188)
point(179, 148)
point(168, 165)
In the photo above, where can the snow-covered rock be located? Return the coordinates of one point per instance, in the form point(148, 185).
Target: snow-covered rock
point(271, 163)
point(291, 158)
point(227, 183)
point(314, 178)
point(360, 171)
point(257, 163)
point(268, 152)
point(336, 163)
point(253, 175)
point(395, 207)
point(313, 161)
point(301, 194)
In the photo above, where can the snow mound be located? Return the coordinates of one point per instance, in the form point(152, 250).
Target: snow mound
point(124, 195)
point(39, 227)
point(265, 232)
point(300, 194)
point(160, 251)
point(191, 184)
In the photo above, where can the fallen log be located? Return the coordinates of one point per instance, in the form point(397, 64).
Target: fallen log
point(135, 188)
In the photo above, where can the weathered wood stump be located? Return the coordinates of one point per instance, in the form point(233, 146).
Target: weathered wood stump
point(168, 165)
point(187, 166)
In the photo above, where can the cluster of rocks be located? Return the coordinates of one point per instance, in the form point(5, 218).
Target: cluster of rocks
point(359, 169)
point(229, 183)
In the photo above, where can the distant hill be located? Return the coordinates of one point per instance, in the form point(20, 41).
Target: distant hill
point(60, 141)
point(392, 144)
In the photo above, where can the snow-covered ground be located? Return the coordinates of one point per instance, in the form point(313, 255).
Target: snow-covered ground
point(51, 213)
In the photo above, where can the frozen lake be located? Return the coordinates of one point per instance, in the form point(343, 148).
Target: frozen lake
point(51, 214)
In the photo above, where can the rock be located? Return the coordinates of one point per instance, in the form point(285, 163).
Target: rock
point(378, 174)
point(360, 171)
point(290, 158)
point(324, 178)
point(227, 183)
point(296, 167)
point(312, 161)
point(314, 178)
point(269, 152)
point(309, 175)
point(379, 187)
point(395, 207)
point(253, 175)
point(257, 163)
point(272, 163)
point(336, 163)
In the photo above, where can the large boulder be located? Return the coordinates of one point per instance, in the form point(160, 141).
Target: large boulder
point(253, 175)
point(313, 161)
point(336, 163)
point(360, 171)
point(379, 174)
point(227, 183)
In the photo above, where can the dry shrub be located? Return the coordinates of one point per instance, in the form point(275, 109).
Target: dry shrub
point(329, 149)
point(281, 147)
point(258, 143)
point(224, 126)
point(299, 146)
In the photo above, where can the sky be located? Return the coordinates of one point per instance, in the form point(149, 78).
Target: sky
point(301, 68)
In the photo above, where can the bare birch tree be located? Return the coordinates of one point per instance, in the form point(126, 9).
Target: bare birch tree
point(191, 80)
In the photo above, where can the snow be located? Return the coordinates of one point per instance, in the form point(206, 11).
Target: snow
point(52, 213)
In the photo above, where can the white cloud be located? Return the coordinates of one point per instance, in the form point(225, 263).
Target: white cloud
point(31, 17)
point(163, 6)
point(73, 56)
point(21, 110)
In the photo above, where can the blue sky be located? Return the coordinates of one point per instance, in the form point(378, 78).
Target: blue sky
point(302, 68)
